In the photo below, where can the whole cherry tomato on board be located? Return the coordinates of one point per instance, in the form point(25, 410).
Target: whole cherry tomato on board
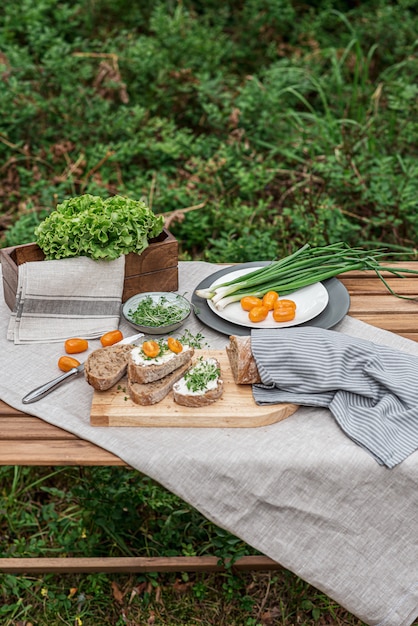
point(113, 336)
point(76, 345)
point(269, 299)
point(248, 302)
point(67, 363)
point(174, 345)
point(151, 348)
point(258, 313)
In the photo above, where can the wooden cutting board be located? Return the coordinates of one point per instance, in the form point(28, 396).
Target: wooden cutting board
point(236, 408)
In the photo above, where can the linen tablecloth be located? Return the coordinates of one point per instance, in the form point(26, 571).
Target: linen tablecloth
point(300, 491)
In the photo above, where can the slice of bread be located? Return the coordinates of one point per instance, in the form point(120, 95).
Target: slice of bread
point(157, 368)
point(200, 396)
point(151, 393)
point(106, 366)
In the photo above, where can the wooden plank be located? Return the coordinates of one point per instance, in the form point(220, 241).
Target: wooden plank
point(370, 286)
point(5, 409)
point(382, 304)
point(368, 283)
point(55, 452)
point(398, 324)
point(70, 565)
point(27, 428)
point(236, 408)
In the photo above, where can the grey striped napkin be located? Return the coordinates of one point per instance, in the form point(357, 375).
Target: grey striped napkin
point(370, 389)
point(75, 297)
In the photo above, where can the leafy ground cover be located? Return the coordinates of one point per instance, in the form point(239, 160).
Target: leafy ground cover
point(112, 512)
point(253, 126)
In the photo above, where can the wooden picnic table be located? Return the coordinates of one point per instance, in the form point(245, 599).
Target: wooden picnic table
point(29, 441)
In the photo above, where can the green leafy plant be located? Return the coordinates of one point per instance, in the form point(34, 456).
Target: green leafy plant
point(101, 229)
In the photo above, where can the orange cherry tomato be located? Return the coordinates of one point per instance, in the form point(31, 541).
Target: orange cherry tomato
point(174, 345)
point(269, 299)
point(248, 302)
point(258, 313)
point(284, 302)
point(75, 345)
point(151, 348)
point(67, 363)
point(113, 336)
point(284, 314)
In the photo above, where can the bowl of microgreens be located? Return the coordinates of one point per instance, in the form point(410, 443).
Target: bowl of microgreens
point(156, 312)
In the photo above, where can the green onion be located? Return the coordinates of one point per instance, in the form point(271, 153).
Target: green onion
point(304, 267)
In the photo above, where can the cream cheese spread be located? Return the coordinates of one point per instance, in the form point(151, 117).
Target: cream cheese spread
point(182, 388)
point(139, 358)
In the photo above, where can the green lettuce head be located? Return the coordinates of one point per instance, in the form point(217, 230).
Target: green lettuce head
point(100, 229)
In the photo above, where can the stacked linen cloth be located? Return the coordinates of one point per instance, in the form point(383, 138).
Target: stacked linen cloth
point(59, 299)
point(370, 389)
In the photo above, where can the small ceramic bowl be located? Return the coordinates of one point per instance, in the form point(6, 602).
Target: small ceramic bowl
point(155, 306)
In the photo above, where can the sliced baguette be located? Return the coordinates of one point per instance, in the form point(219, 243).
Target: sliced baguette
point(243, 365)
point(106, 366)
point(156, 371)
point(153, 392)
point(181, 396)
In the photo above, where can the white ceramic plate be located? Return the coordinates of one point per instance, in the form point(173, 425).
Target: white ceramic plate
point(310, 302)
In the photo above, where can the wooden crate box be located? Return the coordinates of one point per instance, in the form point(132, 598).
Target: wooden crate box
point(156, 269)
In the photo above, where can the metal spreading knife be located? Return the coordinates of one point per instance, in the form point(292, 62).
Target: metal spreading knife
point(45, 389)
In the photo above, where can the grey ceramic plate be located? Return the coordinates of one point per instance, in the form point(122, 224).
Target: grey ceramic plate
point(336, 309)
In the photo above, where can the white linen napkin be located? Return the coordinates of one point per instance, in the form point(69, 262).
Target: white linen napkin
point(59, 299)
point(370, 389)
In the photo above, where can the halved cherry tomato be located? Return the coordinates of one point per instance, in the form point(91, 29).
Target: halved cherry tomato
point(248, 302)
point(174, 345)
point(284, 302)
point(76, 345)
point(258, 313)
point(113, 336)
point(269, 299)
point(151, 348)
point(284, 314)
point(67, 363)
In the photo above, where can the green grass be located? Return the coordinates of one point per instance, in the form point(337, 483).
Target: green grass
point(254, 127)
point(118, 512)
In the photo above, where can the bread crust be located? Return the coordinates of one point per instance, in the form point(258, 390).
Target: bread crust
point(200, 400)
point(106, 366)
point(153, 392)
point(150, 373)
point(242, 362)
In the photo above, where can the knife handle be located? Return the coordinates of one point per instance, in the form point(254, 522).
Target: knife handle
point(43, 390)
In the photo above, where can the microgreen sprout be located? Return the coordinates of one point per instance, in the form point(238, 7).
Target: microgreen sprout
point(155, 312)
point(199, 376)
point(194, 341)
